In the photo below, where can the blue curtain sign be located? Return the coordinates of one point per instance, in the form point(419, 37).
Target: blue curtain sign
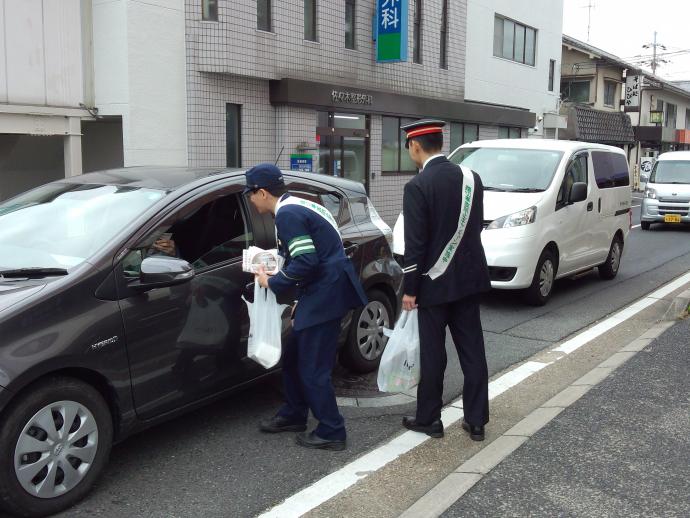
point(391, 30)
point(303, 163)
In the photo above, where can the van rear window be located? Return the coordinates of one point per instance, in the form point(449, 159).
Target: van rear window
point(610, 169)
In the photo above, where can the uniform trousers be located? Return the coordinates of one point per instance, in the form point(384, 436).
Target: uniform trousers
point(308, 360)
point(462, 317)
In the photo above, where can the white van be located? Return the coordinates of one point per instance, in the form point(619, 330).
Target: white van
point(552, 209)
point(667, 190)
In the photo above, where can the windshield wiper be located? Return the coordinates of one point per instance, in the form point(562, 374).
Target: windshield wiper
point(33, 272)
point(489, 188)
point(526, 189)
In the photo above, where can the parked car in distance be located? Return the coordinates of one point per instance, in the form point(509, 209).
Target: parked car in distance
point(104, 332)
point(667, 191)
point(552, 209)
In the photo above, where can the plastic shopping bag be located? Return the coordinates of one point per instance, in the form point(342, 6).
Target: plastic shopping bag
point(399, 368)
point(265, 325)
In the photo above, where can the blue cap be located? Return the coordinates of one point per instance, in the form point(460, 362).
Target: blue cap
point(263, 176)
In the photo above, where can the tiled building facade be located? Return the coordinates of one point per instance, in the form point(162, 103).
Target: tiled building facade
point(258, 93)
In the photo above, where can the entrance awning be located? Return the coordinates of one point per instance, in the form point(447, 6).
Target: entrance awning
point(604, 127)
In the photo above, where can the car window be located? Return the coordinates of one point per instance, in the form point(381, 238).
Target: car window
point(334, 203)
point(203, 235)
point(576, 172)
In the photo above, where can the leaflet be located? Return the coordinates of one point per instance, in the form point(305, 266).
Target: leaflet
point(253, 257)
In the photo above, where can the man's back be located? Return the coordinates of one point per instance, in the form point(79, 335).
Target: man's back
point(433, 201)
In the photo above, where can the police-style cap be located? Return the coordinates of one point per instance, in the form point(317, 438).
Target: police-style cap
point(422, 127)
point(263, 176)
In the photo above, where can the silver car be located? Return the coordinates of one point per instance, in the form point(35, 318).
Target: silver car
point(667, 193)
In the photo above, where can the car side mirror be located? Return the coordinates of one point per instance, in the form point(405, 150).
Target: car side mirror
point(578, 192)
point(644, 178)
point(162, 271)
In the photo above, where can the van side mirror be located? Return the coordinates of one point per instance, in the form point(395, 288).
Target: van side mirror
point(578, 192)
point(644, 178)
point(162, 271)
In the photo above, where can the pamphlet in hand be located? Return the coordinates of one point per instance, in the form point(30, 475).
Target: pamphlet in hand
point(254, 257)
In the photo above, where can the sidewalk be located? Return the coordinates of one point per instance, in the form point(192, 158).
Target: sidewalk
point(622, 449)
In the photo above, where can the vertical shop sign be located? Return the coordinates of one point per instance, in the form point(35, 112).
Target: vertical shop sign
point(632, 91)
point(391, 30)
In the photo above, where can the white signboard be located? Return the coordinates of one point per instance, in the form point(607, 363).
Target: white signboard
point(632, 91)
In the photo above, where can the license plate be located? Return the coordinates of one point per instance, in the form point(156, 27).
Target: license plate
point(672, 218)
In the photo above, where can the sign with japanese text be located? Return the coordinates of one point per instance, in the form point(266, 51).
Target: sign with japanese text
point(633, 86)
point(302, 163)
point(391, 30)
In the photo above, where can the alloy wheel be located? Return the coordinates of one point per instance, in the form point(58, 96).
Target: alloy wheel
point(615, 256)
point(546, 278)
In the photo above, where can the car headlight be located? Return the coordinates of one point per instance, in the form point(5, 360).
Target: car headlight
point(650, 193)
point(524, 217)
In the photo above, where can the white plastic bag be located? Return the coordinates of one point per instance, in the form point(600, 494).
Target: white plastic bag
point(265, 325)
point(399, 368)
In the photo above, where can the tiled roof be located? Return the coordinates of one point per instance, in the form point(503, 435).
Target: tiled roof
point(601, 126)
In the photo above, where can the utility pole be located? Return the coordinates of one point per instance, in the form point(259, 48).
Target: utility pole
point(655, 61)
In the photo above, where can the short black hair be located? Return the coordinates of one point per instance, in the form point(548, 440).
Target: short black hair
point(431, 142)
point(277, 191)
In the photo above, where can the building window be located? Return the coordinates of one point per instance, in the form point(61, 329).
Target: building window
point(310, 20)
point(687, 118)
point(417, 33)
point(552, 72)
point(395, 159)
point(349, 24)
point(263, 15)
point(670, 119)
point(610, 93)
point(514, 41)
point(444, 35)
point(209, 10)
point(505, 132)
point(462, 133)
point(233, 137)
point(575, 91)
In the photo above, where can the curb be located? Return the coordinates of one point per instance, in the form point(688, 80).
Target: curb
point(442, 496)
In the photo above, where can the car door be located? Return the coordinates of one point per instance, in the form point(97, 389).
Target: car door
point(189, 341)
point(574, 236)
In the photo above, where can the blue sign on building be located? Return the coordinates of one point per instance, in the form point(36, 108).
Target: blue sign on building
point(302, 163)
point(391, 30)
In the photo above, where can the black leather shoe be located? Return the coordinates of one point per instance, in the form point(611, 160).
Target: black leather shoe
point(476, 432)
point(311, 440)
point(278, 423)
point(434, 429)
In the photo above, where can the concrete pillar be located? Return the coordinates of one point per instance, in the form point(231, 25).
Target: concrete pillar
point(72, 143)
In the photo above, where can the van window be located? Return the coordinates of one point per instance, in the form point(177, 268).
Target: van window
point(671, 171)
point(576, 172)
point(511, 170)
point(610, 169)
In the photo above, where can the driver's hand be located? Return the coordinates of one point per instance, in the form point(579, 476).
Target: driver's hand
point(166, 246)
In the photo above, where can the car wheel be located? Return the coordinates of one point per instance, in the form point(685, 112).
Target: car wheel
point(54, 442)
point(366, 341)
point(645, 225)
point(540, 290)
point(609, 269)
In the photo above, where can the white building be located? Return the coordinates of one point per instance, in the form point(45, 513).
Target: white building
point(513, 58)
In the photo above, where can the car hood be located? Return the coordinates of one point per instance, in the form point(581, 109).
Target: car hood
point(12, 292)
point(671, 190)
point(499, 204)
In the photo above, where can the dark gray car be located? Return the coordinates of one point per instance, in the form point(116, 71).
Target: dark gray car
point(102, 334)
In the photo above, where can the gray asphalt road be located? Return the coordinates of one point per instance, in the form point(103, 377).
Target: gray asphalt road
point(213, 462)
point(615, 452)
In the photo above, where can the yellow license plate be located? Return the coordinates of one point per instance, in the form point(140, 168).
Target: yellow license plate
point(672, 218)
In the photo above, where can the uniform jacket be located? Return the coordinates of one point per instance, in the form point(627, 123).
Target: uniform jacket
point(315, 263)
point(431, 204)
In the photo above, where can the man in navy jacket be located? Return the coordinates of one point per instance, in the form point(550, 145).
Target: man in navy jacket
point(327, 288)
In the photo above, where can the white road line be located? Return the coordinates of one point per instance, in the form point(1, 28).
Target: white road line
point(338, 481)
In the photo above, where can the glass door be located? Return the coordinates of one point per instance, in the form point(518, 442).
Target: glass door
point(344, 146)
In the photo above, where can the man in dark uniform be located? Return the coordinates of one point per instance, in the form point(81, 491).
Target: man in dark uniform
point(327, 288)
point(445, 271)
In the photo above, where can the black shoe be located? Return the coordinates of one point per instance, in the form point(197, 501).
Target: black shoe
point(311, 440)
point(279, 424)
point(476, 432)
point(434, 429)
